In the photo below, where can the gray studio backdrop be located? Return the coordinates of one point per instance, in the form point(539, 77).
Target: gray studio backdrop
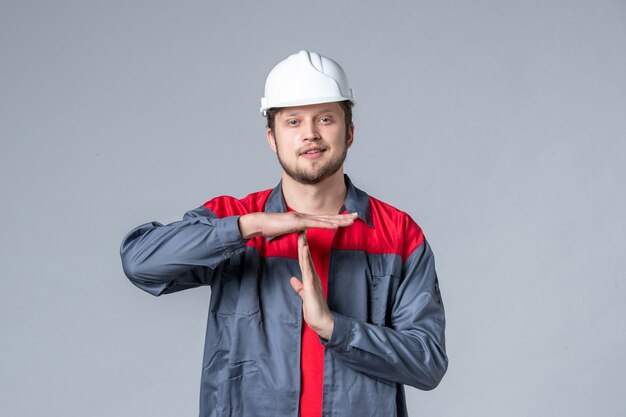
point(499, 126)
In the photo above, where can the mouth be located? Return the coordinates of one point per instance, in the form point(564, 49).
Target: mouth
point(312, 153)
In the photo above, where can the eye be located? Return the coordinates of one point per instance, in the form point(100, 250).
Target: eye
point(326, 119)
point(292, 122)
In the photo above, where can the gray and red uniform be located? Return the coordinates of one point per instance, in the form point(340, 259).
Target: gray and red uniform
point(382, 290)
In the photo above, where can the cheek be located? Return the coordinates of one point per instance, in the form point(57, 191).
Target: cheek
point(340, 137)
point(286, 142)
point(282, 147)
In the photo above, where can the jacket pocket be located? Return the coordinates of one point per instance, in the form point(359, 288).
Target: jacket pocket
point(239, 289)
point(383, 290)
point(235, 388)
point(237, 370)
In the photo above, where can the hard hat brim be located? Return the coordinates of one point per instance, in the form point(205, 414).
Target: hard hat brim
point(303, 102)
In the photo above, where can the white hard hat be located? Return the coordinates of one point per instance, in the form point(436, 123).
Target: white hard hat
point(305, 78)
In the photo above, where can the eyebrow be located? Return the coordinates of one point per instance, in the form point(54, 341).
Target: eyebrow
point(297, 112)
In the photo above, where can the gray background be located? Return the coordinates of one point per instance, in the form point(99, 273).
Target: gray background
point(499, 126)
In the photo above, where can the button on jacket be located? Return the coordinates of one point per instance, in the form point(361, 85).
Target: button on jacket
point(382, 291)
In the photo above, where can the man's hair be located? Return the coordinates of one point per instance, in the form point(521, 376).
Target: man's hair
point(346, 105)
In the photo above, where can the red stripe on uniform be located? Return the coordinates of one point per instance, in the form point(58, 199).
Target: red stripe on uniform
point(394, 232)
point(389, 223)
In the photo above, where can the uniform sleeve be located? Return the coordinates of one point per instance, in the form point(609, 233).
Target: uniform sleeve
point(412, 350)
point(162, 259)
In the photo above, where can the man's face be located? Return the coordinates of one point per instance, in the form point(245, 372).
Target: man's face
point(311, 142)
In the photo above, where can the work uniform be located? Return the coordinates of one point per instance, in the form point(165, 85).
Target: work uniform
point(382, 291)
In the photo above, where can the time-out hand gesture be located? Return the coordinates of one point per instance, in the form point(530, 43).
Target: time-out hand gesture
point(314, 307)
point(277, 224)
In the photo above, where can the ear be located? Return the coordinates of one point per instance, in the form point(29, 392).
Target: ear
point(271, 140)
point(350, 135)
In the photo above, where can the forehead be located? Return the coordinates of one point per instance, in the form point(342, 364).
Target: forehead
point(311, 109)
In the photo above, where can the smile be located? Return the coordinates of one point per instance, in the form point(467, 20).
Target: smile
point(312, 153)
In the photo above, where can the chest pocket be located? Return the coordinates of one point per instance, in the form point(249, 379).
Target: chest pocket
point(382, 294)
point(364, 286)
point(238, 288)
point(384, 282)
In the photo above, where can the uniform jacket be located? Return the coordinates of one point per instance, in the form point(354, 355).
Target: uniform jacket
point(382, 289)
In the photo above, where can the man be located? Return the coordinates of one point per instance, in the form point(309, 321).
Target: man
point(324, 313)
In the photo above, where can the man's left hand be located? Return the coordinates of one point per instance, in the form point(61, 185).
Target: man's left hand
point(314, 307)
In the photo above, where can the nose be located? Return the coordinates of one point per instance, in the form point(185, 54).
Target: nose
point(310, 131)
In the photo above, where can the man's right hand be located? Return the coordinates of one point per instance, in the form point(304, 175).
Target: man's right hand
point(277, 224)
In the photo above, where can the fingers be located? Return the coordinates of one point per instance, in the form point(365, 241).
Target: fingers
point(297, 286)
point(329, 221)
point(278, 224)
point(337, 218)
point(314, 307)
point(304, 257)
point(309, 276)
point(306, 267)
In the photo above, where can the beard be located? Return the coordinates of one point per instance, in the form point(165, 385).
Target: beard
point(302, 176)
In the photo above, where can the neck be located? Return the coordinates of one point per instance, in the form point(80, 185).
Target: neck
point(327, 197)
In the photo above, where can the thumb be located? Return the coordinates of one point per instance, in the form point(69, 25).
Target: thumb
point(297, 286)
